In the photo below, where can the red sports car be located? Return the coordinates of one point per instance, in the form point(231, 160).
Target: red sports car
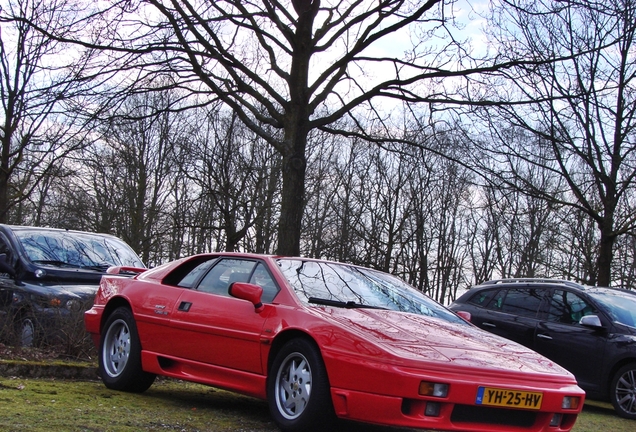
point(320, 341)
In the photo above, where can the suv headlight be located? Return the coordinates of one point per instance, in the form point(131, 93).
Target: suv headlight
point(41, 301)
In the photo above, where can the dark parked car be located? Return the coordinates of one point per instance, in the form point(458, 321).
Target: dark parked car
point(591, 331)
point(48, 278)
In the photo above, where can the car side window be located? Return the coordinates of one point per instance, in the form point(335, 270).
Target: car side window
point(567, 307)
point(188, 273)
point(262, 278)
point(496, 302)
point(483, 298)
point(523, 301)
point(225, 273)
point(193, 276)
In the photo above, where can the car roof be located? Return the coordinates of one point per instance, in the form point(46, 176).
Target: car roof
point(547, 282)
point(531, 281)
point(17, 228)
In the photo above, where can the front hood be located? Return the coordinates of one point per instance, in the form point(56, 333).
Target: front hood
point(416, 338)
point(79, 291)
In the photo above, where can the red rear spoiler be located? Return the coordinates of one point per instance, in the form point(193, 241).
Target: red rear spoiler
point(125, 269)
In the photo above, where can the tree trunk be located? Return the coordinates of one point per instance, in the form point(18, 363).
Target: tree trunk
point(605, 257)
point(292, 204)
point(296, 131)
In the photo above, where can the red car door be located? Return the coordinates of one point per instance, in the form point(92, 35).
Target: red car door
point(155, 304)
point(216, 328)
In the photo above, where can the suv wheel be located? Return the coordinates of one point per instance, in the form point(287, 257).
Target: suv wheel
point(623, 391)
point(26, 333)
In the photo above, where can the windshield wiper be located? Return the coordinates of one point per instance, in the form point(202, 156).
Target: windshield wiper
point(57, 263)
point(98, 267)
point(337, 303)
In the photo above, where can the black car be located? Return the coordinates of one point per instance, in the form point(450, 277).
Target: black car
point(49, 277)
point(591, 331)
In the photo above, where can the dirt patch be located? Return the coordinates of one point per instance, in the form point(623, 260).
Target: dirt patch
point(44, 363)
point(28, 354)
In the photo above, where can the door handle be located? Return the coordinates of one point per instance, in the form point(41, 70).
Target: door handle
point(487, 324)
point(544, 336)
point(185, 306)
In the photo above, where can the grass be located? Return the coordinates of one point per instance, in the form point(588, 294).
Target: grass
point(600, 416)
point(43, 405)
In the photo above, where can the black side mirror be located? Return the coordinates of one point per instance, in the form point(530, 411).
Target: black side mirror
point(5, 267)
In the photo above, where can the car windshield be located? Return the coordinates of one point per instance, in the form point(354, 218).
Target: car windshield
point(620, 305)
point(333, 284)
point(75, 249)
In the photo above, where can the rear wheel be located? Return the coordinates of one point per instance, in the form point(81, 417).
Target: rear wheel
point(623, 391)
point(298, 389)
point(120, 354)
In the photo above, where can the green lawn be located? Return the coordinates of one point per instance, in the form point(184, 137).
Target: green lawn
point(44, 405)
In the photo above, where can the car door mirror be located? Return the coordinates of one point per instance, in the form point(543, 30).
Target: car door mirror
point(591, 321)
point(249, 292)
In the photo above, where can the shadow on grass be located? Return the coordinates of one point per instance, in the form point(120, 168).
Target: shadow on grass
point(597, 407)
point(217, 402)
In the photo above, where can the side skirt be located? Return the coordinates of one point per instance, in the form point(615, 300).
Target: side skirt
point(246, 383)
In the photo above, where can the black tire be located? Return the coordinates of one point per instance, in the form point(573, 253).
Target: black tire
point(120, 354)
point(298, 391)
point(26, 331)
point(623, 391)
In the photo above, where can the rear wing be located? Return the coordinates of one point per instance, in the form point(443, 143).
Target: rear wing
point(125, 270)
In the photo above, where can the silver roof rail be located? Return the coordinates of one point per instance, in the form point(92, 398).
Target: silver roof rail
point(534, 280)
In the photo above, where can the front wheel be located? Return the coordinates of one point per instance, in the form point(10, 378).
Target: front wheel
point(26, 331)
point(120, 354)
point(298, 389)
point(623, 391)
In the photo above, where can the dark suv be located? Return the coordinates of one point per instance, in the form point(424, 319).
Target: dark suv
point(48, 278)
point(591, 331)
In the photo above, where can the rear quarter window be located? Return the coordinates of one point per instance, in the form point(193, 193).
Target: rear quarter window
point(483, 298)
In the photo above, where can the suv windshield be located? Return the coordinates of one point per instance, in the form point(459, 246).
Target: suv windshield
point(342, 285)
point(621, 306)
point(76, 249)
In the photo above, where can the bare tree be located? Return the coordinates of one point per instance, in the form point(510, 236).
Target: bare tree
point(286, 68)
point(232, 171)
point(40, 82)
point(123, 183)
point(584, 115)
point(324, 184)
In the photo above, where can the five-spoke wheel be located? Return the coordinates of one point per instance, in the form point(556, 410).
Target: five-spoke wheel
point(116, 348)
point(120, 354)
point(298, 388)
